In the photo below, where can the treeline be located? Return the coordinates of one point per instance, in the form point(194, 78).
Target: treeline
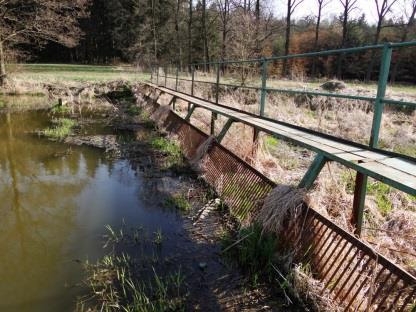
point(188, 31)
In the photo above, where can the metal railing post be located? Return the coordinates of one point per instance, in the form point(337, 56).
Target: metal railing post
point(361, 180)
point(166, 75)
point(177, 74)
point(193, 79)
point(360, 193)
point(263, 87)
point(381, 92)
point(217, 84)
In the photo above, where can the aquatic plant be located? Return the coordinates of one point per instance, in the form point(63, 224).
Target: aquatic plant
point(252, 249)
point(123, 283)
point(178, 201)
point(63, 127)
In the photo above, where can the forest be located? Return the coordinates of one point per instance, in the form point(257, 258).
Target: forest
point(184, 32)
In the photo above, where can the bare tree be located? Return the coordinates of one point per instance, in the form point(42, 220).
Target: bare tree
point(406, 30)
point(291, 7)
point(383, 8)
point(39, 21)
point(321, 5)
point(224, 7)
point(190, 24)
point(154, 31)
point(348, 6)
point(178, 37)
point(205, 32)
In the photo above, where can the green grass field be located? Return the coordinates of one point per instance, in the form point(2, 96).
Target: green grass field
point(78, 73)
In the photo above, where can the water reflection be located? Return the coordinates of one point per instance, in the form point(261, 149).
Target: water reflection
point(55, 202)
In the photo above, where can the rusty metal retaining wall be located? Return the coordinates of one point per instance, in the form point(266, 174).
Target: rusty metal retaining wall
point(357, 277)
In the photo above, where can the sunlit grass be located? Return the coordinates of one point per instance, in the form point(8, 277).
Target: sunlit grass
point(77, 73)
point(63, 127)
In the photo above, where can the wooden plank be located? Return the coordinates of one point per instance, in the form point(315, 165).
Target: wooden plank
point(400, 164)
point(391, 174)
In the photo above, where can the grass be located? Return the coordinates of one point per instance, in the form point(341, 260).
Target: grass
point(271, 141)
point(178, 201)
point(60, 109)
point(77, 73)
point(125, 283)
point(409, 150)
point(381, 191)
point(253, 250)
point(378, 190)
point(301, 83)
point(168, 148)
point(114, 285)
point(134, 110)
point(63, 127)
point(158, 240)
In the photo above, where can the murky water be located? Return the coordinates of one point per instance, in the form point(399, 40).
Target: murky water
point(55, 203)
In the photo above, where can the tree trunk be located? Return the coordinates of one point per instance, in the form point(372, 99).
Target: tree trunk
point(154, 32)
point(287, 41)
point(205, 33)
point(315, 45)
point(190, 22)
point(2, 66)
point(178, 41)
point(257, 15)
point(343, 41)
point(373, 52)
point(224, 32)
point(403, 39)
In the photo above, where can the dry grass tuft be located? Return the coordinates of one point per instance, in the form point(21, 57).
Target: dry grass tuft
point(160, 115)
point(196, 162)
point(314, 292)
point(283, 202)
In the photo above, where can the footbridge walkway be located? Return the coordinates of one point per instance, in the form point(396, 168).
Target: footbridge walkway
point(394, 169)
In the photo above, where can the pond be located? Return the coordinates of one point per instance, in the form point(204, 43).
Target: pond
point(55, 203)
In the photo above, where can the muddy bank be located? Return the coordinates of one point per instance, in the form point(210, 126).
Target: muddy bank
point(209, 281)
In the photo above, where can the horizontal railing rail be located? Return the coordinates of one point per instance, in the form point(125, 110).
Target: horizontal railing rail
point(305, 92)
point(378, 101)
point(314, 54)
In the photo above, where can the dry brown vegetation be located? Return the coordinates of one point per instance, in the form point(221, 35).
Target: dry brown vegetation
point(390, 215)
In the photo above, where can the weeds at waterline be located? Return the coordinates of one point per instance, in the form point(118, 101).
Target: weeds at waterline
point(123, 283)
point(63, 127)
point(252, 249)
point(179, 202)
point(168, 148)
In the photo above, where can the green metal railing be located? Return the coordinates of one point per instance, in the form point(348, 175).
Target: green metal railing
point(378, 101)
